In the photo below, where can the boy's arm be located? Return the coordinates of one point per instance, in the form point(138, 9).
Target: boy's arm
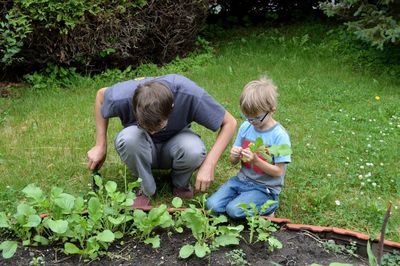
point(206, 171)
point(275, 170)
point(97, 155)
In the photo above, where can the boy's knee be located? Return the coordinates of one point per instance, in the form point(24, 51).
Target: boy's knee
point(213, 206)
point(235, 212)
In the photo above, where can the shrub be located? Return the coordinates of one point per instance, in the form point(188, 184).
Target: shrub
point(92, 35)
point(376, 22)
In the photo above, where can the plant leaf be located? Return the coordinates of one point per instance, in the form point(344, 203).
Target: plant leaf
point(4, 222)
point(32, 191)
point(58, 226)
point(371, 257)
point(274, 243)
point(186, 251)
point(70, 248)
point(177, 202)
point(201, 249)
point(40, 239)
point(65, 202)
point(106, 236)
point(33, 221)
point(225, 240)
point(154, 241)
point(8, 248)
point(111, 187)
point(95, 209)
point(116, 221)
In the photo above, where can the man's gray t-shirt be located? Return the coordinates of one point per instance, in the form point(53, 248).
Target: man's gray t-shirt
point(191, 104)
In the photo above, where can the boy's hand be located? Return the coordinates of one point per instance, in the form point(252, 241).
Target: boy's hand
point(236, 152)
point(248, 155)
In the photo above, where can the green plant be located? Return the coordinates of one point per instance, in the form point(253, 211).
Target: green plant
point(376, 22)
point(237, 257)
point(207, 230)
point(53, 77)
point(145, 223)
point(108, 216)
point(13, 32)
point(267, 152)
point(65, 218)
point(373, 261)
point(260, 226)
point(37, 261)
point(391, 259)
point(332, 246)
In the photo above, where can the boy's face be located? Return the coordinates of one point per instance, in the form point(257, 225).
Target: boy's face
point(258, 119)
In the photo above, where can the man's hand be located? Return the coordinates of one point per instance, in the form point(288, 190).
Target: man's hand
point(96, 157)
point(204, 177)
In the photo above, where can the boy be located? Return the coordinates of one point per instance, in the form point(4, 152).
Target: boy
point(258, 180)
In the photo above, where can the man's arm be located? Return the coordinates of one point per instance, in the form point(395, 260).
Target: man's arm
point(206, 171)
point(97, 155)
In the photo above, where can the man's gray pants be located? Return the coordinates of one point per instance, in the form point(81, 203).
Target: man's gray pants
point(183, 154)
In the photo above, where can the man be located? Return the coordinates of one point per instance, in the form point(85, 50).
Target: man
point(156, 114)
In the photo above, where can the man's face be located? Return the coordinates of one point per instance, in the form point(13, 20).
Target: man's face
point(159, 128)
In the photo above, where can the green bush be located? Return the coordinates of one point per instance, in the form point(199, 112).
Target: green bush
point(376, 22)
point(93, 35)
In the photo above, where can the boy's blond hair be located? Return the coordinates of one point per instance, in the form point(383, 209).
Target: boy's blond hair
point(259, 96)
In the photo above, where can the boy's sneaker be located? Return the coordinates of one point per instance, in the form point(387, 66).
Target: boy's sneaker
point(183, 193)
point(141, 202)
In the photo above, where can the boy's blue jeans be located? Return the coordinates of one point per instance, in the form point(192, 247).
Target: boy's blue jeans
point(236, 191)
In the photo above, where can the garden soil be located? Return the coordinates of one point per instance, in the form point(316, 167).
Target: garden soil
point(299, 248)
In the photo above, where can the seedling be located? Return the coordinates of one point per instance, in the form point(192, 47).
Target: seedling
point(207, 230)
point(259, 225)
point(259, 148)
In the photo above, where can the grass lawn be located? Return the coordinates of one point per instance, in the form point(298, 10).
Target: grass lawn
point(343, 118)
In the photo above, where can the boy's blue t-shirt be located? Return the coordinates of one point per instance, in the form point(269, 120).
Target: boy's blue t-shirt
point(276, 135)
point(191, 104)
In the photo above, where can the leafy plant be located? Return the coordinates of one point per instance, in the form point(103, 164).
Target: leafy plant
point(259, 148)
point(350, 249)
point(260, 226)
point(376, 22)
point(53, 77)
point(207, 230)
point(237, 257)
point(373, 261)
point(85, 226)
point(391, 259)
point(145, 223)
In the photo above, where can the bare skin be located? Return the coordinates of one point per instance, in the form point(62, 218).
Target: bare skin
point(205, 175)
point(97, 155)
point(206, 172)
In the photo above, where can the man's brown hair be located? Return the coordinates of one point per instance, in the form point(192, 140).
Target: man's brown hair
point(152, 104)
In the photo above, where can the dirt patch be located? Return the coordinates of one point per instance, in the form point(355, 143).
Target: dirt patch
point(299, 248)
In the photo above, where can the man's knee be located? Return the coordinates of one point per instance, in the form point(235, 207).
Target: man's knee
point(190, 154)
point(128, 139)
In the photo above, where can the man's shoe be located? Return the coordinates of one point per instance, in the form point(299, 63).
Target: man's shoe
point(183, 193)
point(141, 202)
